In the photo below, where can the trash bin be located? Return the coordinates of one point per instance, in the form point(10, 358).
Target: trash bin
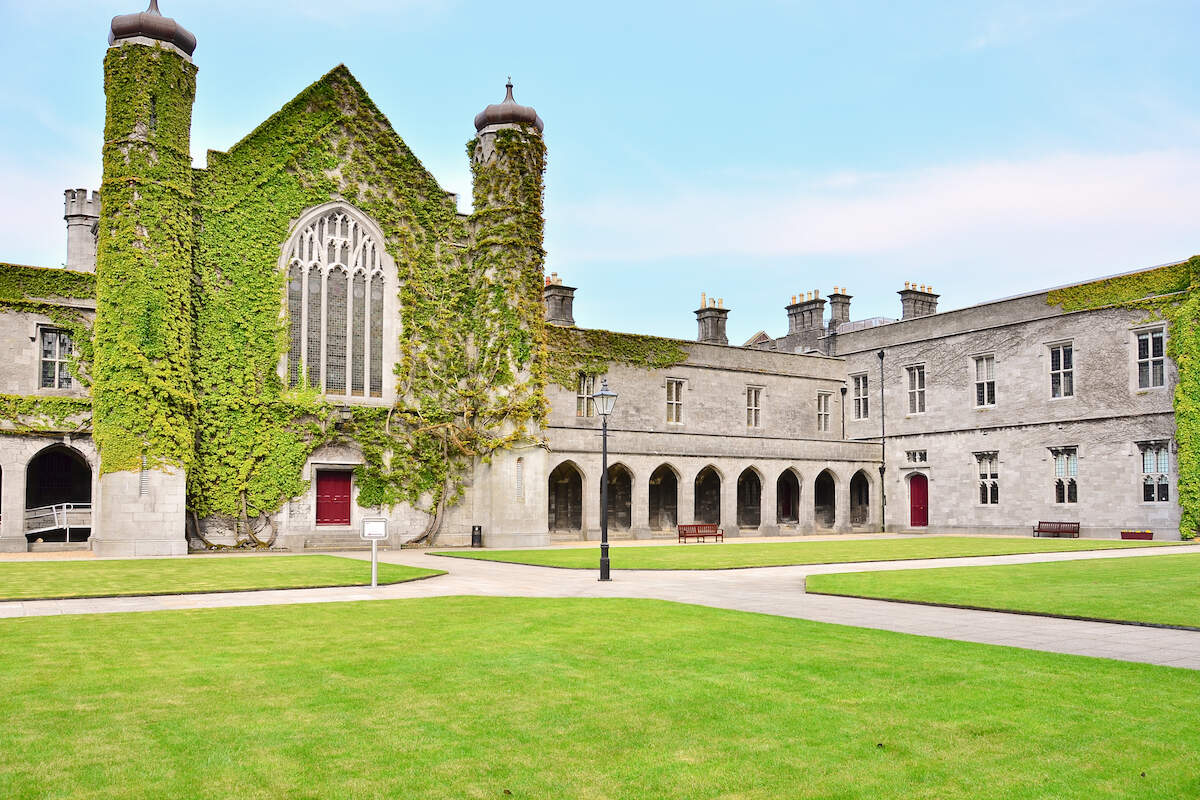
point(476, 536)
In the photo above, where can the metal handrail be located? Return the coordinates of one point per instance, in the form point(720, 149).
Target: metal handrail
point(60, 516)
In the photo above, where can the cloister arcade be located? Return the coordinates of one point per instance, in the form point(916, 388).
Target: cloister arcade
point(46, 492)
point(648, 498)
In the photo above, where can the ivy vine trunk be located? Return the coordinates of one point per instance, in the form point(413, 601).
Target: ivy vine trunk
point(142, 389)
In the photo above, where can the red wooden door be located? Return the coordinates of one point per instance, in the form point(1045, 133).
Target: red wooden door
point(333, 498)
point(918, 501)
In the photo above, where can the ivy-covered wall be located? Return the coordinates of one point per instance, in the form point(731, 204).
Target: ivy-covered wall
point(571, 351)
point(50, 292)
point(1170, 293)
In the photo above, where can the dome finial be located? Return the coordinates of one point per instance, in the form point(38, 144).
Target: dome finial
point(153, 9)
point(151, 24)
point(508, 112)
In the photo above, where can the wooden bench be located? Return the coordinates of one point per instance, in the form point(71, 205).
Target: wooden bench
point(701, 532)
point(1057, 529)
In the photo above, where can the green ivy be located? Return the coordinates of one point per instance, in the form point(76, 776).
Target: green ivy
point(42, 415)
point(40, 290)
point(1170, 293)
point(574, 350)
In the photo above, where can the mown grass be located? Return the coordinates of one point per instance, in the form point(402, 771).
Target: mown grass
point(25, 580)
point(1157, 589)
point(773, 554)
point(483, 697)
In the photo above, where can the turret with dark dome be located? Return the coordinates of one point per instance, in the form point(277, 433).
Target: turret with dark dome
point(508, 112)
point(151, 24)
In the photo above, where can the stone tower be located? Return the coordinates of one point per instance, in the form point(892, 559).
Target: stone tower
point(81, 210)
point(142, 390)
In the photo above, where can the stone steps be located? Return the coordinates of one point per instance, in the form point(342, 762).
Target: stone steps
point(335, 542)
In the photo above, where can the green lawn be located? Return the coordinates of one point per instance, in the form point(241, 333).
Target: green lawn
point(25, 580)
point(470, 697)
point(1159, 589)
point(774, 554)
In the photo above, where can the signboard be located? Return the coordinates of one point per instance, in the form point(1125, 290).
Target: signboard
point(374, 529)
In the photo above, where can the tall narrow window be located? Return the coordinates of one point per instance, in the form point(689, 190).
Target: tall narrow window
point(674, 400)
point(1062, 370)
point(585, 404)
point(336, 287)
point(295, 294)
point(1066, 466)
point(337, 306)
point(822, 411)
point(1156, 464)
point(55, 359)
point(985, 381)
point(1150, 347)
point(753, 406)
point(916, 389)
point(989, 478)
point(861, 401)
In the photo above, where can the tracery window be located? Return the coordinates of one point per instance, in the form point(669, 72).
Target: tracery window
point(335, 304)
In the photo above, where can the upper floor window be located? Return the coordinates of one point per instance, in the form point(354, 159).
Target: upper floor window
point(861, 407)
point(989, 478)
point(674, 400)
point(1066, 467)
point(1062, 370)
point(985, 380)
point(822, 411)
point(339, 303)
point(753, 406)
point(916, 389)
point(1156, 464)
point(917, 456)
point(1150, 347)
point(55, 359)
point(585, 404)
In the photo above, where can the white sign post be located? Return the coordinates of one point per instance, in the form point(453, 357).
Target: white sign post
point(373, 530)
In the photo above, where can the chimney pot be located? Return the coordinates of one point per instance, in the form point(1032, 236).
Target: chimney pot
point(560, 303)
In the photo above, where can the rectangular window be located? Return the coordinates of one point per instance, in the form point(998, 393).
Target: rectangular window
point(1062, 370)
point(916, 456)
point(1150, 347)
point(985, 381)
point(916, 389)
point(822, 411)
point(753, 405)
point(674, 400)
point(861, 405)
point(55, 359)
point(585, 405)
point(1156, 464)
point(1066, 466)
point(989, 478)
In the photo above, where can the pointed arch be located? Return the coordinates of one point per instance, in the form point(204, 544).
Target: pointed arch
point(620, 497)
point(664, 498)
point(565, 498)
point(787, 497)
point(749, 498)
point(860, 498)
point(708, 496)
point(825, 499)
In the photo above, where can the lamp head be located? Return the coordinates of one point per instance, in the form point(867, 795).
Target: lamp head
point(605, 399)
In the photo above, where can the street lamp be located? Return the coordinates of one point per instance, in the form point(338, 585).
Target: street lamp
point(605, 399)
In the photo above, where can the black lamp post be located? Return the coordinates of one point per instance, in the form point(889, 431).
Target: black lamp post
point(605, 399)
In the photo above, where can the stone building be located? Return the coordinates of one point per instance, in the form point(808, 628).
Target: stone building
point(305, 333)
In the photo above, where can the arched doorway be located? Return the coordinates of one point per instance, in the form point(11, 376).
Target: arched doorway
point(58, 496)
point(566, 498)
point(787, 498)
point(918, 500)
point(824, 500)
point(860, 499)
point(620, 495)
point(749, 499)
point(664, 498)
point(708, 497)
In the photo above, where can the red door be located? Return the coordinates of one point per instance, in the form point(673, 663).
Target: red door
point(918, 501)
point(333, 498)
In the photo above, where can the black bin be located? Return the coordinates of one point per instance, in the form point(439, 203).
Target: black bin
point(476, 536)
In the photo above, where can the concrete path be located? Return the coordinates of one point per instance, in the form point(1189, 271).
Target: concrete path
point(767, 590)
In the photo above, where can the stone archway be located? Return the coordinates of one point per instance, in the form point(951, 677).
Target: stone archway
point(825, 500)
point(708, 497)
point(787, 498)
point(565, 503)
point(860, 499)
point(749, 499)
point(620, 497)
point(58, 495)
point(664, 499)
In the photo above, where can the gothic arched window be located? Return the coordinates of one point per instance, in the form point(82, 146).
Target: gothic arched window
point(340, 297)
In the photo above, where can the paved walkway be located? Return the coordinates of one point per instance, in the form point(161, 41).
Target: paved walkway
point(768, 590)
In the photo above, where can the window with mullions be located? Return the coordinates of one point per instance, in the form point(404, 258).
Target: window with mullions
point(674, 400)
point(1062, 370)
point(585, 404)
point(55, 359)
point(861, 401)
point(1150, 348)
point(1156, 465)
point(985, 381)
point(335, 303)
point(1066, 467)
point(916, 389)
point(989, 478)
point(753, 406)
point(822, 412)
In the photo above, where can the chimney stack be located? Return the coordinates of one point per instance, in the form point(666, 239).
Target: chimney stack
point(917, 301)
point(81, 210)
point(807, 314)
point(711, 320)
point(839, 308)
point(560, 302)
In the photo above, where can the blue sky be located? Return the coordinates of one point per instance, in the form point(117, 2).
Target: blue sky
point(750, 150)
